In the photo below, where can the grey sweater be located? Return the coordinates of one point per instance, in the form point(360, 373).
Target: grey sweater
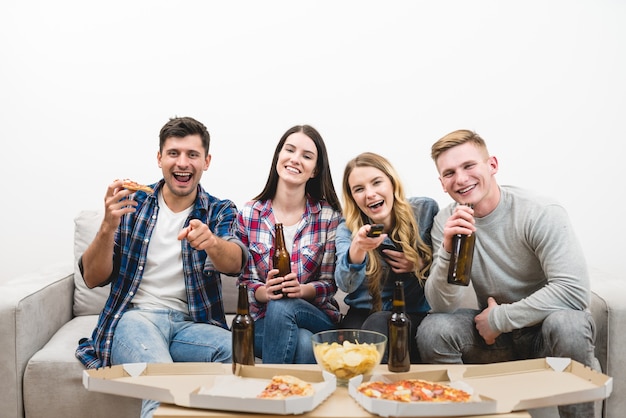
point(527, 256)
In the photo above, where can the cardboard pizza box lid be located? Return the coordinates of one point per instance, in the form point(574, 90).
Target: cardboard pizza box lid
point(208, 386)
point(167, 382)
point(539, 383)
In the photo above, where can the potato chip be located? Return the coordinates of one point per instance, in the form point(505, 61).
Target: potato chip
point(348, 359)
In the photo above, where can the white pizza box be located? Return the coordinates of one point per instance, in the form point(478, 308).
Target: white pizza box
point(478, 405)
point(208, 386)
point(238, 392)
point(496, 388)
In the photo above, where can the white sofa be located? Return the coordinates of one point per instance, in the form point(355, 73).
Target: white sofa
point(44, 314)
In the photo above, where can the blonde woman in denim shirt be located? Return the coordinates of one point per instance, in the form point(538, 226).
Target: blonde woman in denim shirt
point(368, 267)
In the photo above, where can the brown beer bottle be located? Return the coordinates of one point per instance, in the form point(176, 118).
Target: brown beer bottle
point(461, 258)
point(243, 331)
point(281, 259)
point(399, 333)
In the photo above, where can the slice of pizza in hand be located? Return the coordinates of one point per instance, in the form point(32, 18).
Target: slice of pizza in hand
point(136, 187)
point(284, 386)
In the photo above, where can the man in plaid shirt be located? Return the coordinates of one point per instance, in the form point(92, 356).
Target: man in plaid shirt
point(163, 253)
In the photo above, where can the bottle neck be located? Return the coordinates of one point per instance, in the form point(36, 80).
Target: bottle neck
point(242, 300)
point(398, 297)
point(280, 236)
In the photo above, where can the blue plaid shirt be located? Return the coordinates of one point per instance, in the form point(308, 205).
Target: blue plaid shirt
point(202, 280)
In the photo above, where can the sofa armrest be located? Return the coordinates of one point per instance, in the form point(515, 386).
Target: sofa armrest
point(32, 308)
point(609, 301)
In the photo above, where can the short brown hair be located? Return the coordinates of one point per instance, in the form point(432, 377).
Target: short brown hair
point(180, 127)
point(455, 138)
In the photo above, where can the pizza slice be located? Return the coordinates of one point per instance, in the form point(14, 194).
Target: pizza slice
point(284, 386)
point(136, 187)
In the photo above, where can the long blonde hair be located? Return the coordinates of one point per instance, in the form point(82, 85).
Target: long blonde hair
point(405, 229)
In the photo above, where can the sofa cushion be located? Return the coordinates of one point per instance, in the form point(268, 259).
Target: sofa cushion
point(53, 380)
point(86, 301)
point(229, 293)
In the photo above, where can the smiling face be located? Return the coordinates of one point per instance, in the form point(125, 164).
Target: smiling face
point(182, 160)
point(372, 192)
point(466, 173)
point(297, 159)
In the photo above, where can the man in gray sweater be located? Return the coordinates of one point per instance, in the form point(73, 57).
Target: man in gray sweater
point(529, 271)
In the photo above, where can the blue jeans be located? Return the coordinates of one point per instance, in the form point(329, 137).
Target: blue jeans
point(283, 336)
point(447, 338)
point(166, 336)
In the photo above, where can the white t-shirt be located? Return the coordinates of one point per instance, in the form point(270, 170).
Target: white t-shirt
point(290, 233)
point(163, 283)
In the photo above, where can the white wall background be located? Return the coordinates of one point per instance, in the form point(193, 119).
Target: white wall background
point(86, 86)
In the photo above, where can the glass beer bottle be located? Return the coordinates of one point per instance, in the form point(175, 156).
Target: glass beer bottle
point(243, 330)
point(461, 258)
point(281, 259)
point(399, 333)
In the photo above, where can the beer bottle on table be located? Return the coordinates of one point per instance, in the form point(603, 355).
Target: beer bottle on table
point(461, 258)
point(399, 359)
point(243, 330)
point(281, 259)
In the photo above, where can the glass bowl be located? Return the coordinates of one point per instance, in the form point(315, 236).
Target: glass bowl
point(347, 353)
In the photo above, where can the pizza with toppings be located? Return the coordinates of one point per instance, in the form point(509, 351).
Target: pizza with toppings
point(135, 187)
point(285, 386)
point(413, 390)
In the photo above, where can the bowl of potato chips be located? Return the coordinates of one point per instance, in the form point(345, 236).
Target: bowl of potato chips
point(347, 353)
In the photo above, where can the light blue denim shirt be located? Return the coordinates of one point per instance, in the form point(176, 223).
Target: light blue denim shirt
point(351, 277)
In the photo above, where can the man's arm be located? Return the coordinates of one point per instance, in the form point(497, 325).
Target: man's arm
point(562, 260)
point(227, 256)
point(97, 261)
point(442, 296)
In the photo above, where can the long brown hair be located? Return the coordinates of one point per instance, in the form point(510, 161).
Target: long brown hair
point(319, 187)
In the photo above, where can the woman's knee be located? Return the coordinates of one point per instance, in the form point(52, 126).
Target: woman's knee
point(280, 309)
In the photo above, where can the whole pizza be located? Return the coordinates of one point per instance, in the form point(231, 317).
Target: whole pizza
point(413, 390)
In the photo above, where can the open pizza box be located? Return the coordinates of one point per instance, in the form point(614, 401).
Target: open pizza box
point(208, 386)
point(496, 388)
